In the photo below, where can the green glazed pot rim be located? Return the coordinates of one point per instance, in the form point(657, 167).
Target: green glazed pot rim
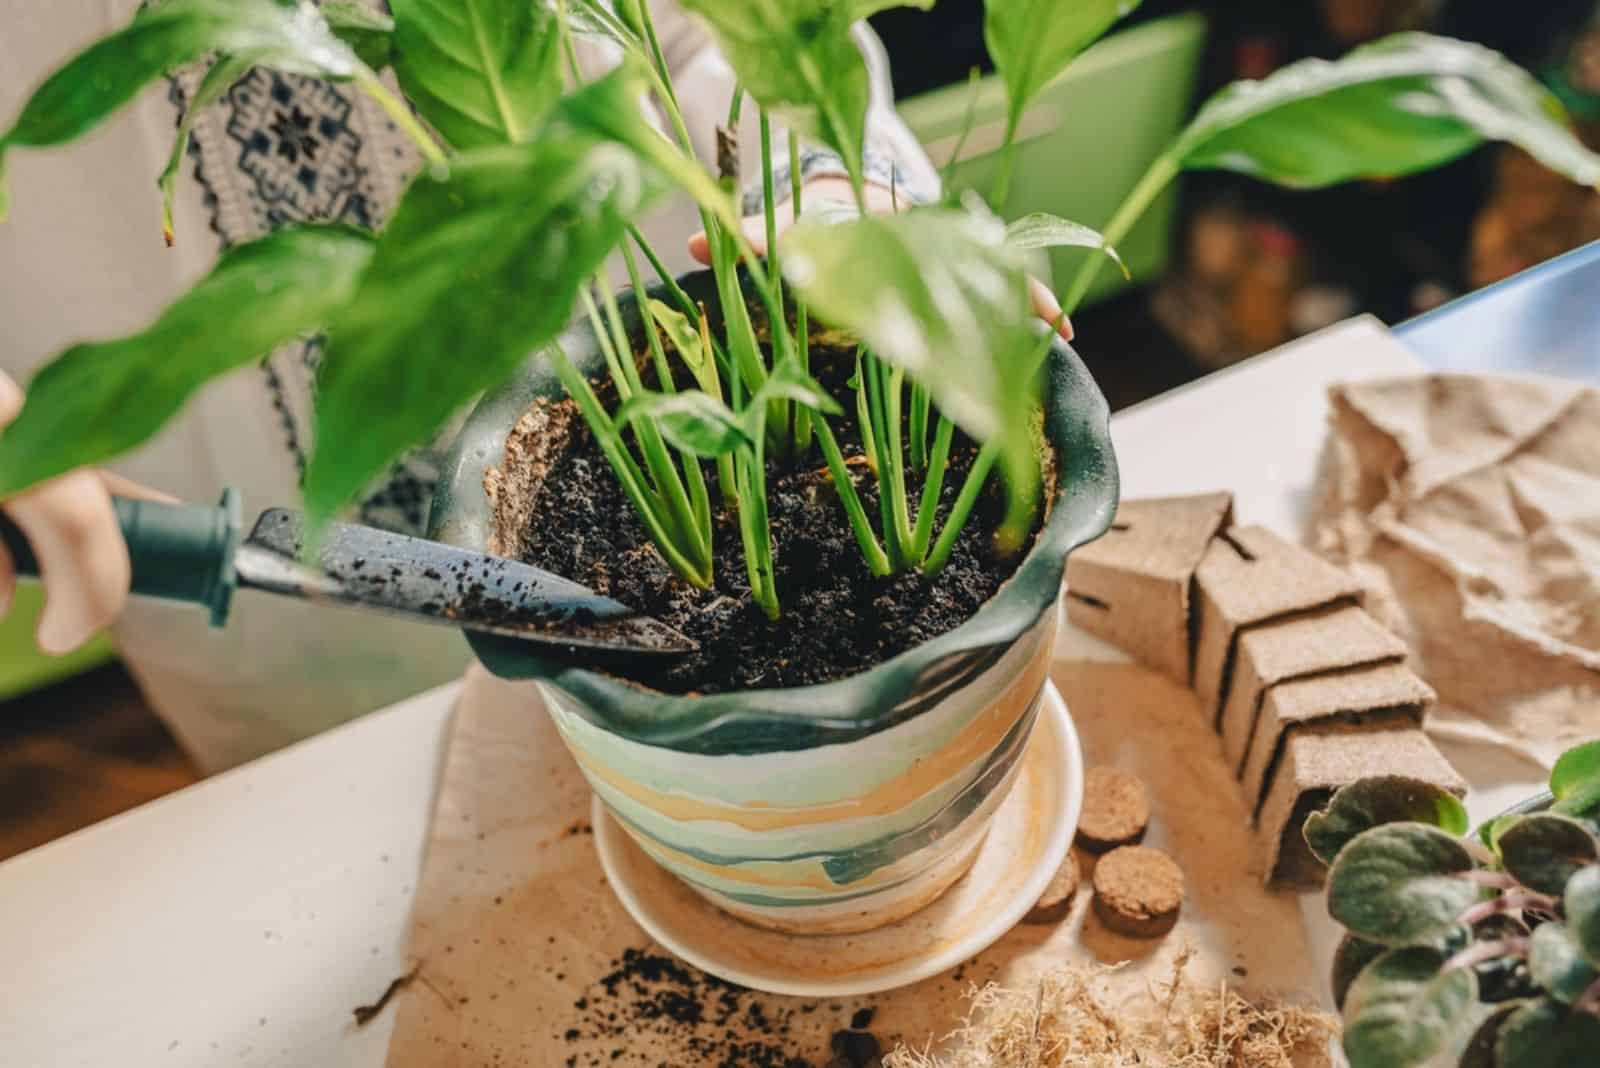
point(1076, 426)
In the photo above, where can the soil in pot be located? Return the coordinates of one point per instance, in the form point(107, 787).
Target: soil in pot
point(837, 618)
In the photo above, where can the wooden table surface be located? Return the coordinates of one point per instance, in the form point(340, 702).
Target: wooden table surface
point(238, 922)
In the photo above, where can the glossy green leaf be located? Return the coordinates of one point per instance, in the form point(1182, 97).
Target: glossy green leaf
point(218, 80)
point(691, 420)
point(799, 60)
point(369, 33)
point(106, 75)
point(482, 72)
point(1546, 1034)
point(685, 336)
point(1479, 1049)
point(1575, 780)
point(1032, 41)
point(1400, 105)
point(479, 266)
point(1582, 904)
point(1399, 884)
point(1349, 960)
point(1375, 801)
point(100, 399)
point(1042, 230)
point(788, 381)
point(1557, 964)
point(1403, 1008)
point(1543, 851)
point(940, 293)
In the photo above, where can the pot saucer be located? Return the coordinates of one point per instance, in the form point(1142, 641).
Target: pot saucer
point(1027, 842)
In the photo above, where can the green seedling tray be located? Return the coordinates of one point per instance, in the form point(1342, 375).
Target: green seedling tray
point(1084, 143)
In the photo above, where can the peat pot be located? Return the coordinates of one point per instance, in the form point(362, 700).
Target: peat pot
point(822, 809)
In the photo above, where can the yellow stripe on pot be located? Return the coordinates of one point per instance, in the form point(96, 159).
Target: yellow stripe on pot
point(977, 738)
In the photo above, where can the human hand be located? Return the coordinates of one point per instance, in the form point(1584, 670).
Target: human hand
point(879, 200)
point(73, 530)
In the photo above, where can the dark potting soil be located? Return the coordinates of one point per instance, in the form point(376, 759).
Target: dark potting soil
point(837, 618)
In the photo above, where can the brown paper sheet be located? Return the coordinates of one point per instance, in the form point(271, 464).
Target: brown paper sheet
point(515, 931)
point(1470, 508)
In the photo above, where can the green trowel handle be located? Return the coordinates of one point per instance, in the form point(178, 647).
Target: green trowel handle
point(179, 552)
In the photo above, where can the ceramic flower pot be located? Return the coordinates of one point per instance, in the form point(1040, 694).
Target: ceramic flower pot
point(821, 809)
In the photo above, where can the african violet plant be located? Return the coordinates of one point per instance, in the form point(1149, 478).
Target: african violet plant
point(1481, 950)
point(534, 178)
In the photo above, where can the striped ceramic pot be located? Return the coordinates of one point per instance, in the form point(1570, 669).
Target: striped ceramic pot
point(820, 809)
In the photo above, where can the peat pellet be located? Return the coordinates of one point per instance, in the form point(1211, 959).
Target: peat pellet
point(1116, 810)
point(1056, 901)
point(1138, 891)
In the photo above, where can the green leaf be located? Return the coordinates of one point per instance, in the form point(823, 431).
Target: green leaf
point(100, 399)
point(1042, 230)
point(1557, 964)
point(1399, 884)
point(218, 80)
point(1403, 1009)
point(1542, 851)
point(1545, 1034)
point(1575, 780)
point(940, 293)
point(1479, 1049)
point(479, 266)
point(789, 381)
point(483, 72)
point(684, 336)
point(1400, 105)
point(601, 18)
point(369, 33)
point(691, 420)
point(1032, 41)
point(1378, 800)
point(1582, 904)
point(798, 59)
point(106, 75)
point(1350, 959)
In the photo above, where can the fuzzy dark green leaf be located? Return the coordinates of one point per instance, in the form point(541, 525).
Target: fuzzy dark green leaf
point(798, 59)
point(482, 72)
point(1349, 959)
point(940, 293)
point(100, 399)
point(369, 33)
point(106, 75)
point(1582, 903)
point(1575, 780)
point(1403, 1008)
point(1375, 801)
point(1545, 1034)
point(1542, 851)
point(1557, 964)
point(480, 265)
point(1394, 107)
point(1032, 41)
point(691, 420)
point(1399, 884)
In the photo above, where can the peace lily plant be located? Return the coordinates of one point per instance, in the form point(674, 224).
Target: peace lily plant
point(534, 177)
point(1479, 951)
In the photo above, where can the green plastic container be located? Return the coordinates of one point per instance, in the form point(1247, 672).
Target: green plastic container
point(22, 666)
point(1085, 142)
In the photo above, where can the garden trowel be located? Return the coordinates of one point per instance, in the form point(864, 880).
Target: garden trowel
point(185, 552)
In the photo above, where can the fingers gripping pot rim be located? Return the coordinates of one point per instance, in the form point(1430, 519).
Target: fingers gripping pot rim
point(828, 808)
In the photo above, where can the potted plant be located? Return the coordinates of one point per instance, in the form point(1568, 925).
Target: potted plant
point(1482, 951)
point(879, 376)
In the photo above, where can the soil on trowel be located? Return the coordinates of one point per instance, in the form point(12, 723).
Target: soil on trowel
point(837, 617)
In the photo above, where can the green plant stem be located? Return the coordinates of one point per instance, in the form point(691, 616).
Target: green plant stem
point(802, 324)
point(607, 348)
point(1149, 187)
point(674, 290)
point(397, 110)
point(968, 117)
point(1008, 161)
point(627, 472)
point(864, 420)
point(877, 411)
point(845, 487)
point(894, 382)
point(753, 526)
point(932, 486)
point(921, 402)
point(961, 511)
point(725, 469)
point(783, 410)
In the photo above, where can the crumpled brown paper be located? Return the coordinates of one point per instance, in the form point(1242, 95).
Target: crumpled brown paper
point(515, 932)
point(1470, 507)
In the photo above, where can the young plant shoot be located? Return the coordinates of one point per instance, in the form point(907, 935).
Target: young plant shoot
point(536, 178)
